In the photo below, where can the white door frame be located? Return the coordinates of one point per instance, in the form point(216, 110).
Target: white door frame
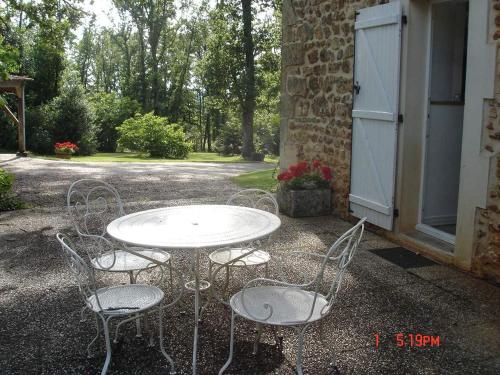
point(425, 228)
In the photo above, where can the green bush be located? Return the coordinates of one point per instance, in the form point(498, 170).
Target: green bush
point(154, 135)
point(8, 133)
point(8, 201)
point(267, 132)
point(109, 111)
point(87, 145)
point(39, 130)
point(67, 117)
point(228, 142)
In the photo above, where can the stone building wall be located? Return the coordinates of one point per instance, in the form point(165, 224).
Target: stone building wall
point(317, 74)
point(486, 257)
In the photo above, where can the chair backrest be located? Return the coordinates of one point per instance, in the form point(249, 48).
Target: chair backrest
point(255, 198)
point(341, 252)
point(92, 204)
point(339, 255)
point(84, 275)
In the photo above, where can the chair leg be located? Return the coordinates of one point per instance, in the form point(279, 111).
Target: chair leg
point(82, 316)
point(138, 321)
point(98, 333)
point(300, 346)
point(171, 273)
point(210, 290)
point(231, 345)
point(257, 338)
point(226, 284)
point(162, 348)
point(108, 345)
point(148, 329)
point(266, 270)
point(117, 329)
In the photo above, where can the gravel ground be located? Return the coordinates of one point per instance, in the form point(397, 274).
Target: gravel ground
point(40, 331)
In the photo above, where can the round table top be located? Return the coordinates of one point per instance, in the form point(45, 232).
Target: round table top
point(193, 227)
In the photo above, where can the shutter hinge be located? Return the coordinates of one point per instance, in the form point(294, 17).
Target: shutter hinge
point(400, 118)
point(404, 19)
point(396, 212)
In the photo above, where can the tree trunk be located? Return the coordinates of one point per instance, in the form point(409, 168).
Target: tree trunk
point(207, 132)
point(248, 105)
point(142, 62)
point(155, 81)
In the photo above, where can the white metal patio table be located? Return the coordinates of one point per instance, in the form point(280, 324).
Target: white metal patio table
point(193, 228)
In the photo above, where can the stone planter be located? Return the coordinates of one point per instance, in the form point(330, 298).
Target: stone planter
point(304, 203)
point(63, 156)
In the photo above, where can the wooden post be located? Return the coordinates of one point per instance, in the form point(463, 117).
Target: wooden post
point(21, 136)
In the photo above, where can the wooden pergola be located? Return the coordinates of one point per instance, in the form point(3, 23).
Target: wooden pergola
point(15, 85)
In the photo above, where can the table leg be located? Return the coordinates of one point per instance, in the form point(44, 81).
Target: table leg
point(196, 264)
point(138, 321)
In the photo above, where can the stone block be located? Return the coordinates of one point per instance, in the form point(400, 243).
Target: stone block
point(296, 85)
point(293, 54)
point(289, 16)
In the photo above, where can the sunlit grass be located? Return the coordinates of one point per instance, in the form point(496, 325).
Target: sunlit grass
point(132, 157)
point(257, 180)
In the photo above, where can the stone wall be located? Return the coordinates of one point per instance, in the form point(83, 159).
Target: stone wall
point(486, 258)
point(317, 74)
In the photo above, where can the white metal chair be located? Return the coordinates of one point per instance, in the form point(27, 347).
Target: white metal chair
point(282, 304)
point(129, 301)
point(92, 205)
point(235, 257)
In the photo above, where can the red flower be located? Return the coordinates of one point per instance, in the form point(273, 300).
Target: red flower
point(316, 163)
point(327, 173)
point(65, 147)
point(295, 171)
point(285, 176)
point(303, 166)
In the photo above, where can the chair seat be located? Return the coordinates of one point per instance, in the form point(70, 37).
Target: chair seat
point(256, 258)
point(126, 262)
point(290, 306)
point(126, 299)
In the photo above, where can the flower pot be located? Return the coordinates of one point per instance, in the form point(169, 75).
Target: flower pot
point(63, 156)
point(304, 203)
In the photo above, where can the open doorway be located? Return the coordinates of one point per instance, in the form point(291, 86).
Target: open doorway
point(445, 110)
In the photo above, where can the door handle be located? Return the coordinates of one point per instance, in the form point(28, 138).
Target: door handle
point(357, 88)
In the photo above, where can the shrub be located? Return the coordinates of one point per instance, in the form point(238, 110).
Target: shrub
point(66, 117)
point(8, 131)
point(154, 135)
point(70, 112)
point(8, 201)
point(267, 135)
point(109, 111)
point(88, 144)
point(39, 134)
point(228, 142)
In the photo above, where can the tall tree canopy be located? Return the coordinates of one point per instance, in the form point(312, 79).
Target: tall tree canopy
point(211, 68)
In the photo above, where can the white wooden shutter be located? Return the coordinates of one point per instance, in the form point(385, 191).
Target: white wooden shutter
point(375, 113)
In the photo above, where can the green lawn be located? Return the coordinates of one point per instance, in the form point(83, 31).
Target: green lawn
point(130, 157)
point(257, 180)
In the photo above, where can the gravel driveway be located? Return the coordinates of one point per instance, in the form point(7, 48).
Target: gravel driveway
point(40, 332)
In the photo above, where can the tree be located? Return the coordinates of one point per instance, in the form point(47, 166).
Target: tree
point(109, 111)
point(150, 18)
point(249, 94)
